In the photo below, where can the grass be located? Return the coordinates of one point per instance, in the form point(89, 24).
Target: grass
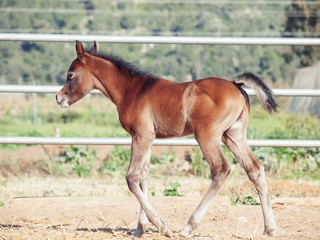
point(96, 116)
point(282, 125)
point(81, 120)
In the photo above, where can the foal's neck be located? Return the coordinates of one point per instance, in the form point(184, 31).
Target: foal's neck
point(113, 82)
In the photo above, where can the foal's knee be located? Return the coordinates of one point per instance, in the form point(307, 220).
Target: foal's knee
point(258, 178)
point(256, 173)
point(132, 181)
point(227, 170)
point(222, 172)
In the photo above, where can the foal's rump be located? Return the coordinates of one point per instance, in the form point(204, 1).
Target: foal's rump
point(213, 105)
point(219, 102)
point(221, 90)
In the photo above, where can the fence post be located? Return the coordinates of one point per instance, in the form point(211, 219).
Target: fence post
point(35, 107)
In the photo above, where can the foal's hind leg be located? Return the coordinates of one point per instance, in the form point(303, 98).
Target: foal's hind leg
point(220, 170)
point(235, 140)
point(143, 219)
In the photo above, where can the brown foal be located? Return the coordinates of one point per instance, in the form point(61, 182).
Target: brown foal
point(150, 107)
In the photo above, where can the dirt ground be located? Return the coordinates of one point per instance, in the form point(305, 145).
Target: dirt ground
point(116, 217)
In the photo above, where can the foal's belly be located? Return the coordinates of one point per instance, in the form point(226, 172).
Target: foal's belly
point(174, 130)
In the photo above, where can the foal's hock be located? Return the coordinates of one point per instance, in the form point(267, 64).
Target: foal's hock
point(149, 107)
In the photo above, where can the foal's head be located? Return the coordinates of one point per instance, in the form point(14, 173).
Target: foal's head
point(80, 80)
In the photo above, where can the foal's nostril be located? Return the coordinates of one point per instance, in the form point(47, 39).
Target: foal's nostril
point(57, 99)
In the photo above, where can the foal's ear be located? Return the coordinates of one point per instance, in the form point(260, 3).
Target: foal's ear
point(79, 50)
point(94, 48)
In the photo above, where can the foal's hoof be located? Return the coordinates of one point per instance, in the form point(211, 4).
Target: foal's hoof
point(166, 231)
point(269, 232)
point(185, 232)
point(137, 233)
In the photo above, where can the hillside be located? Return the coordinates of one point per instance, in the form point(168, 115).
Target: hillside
point(46, 63)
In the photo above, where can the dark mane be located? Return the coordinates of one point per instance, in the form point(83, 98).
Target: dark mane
point(120, 63)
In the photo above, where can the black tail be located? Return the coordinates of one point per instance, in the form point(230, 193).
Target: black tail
point(264, 94)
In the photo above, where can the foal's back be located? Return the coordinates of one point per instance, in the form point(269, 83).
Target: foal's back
point(179, 109)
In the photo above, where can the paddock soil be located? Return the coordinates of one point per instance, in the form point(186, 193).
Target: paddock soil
point(115, 216)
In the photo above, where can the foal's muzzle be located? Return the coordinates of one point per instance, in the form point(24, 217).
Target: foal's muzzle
point(62, 100)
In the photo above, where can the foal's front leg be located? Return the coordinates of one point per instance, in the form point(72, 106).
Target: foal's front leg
point(139, 150)
point(143, 219)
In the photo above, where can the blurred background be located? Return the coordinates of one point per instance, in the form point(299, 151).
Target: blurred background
point(46, 63)
point(40, 63)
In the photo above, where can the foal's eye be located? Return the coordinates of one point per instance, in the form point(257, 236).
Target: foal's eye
point(70, 75)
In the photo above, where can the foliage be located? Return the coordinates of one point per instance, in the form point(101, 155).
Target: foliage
point(307, 25)
point(248, 200)
point(117, 161)
point(199, 165)
point(76, 159)
point(237, 199)
point(173, 190)
point(154, 159)
point(153, 193)
point(286, 163)
point(290, 163)
point(167, 157)
point(2, 204)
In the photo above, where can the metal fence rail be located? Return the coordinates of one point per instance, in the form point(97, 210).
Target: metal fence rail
point(55, 89)
point(32, 89)
point(159, 39)
point(157, 142)
point(154, 40)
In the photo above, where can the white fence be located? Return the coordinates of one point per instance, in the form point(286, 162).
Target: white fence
point(55, 89)
point(154, 40)
point(159, 142)
point(159, 39)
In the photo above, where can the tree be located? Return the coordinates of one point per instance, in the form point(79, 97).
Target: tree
point(303, 19)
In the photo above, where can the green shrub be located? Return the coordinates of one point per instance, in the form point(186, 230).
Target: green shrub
point(117, 161)
point(199, 165)
point(76, 159)
point(32, 133)
point(70, 116)
point(237, 199)
point(167, 157)
point(173, 190)
point(248, 200)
